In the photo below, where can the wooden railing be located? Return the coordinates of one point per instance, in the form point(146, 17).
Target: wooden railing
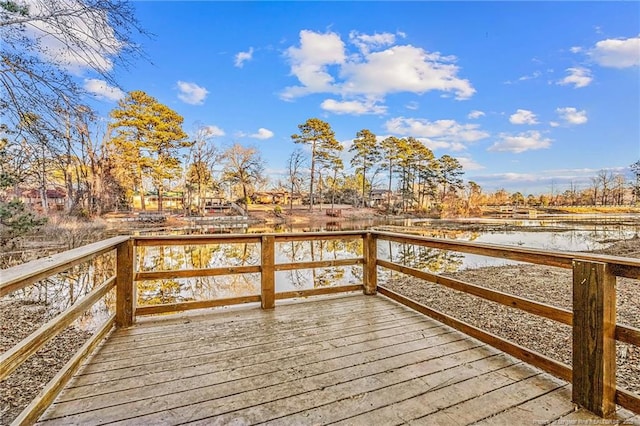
point(592, 318)
point(19, 277)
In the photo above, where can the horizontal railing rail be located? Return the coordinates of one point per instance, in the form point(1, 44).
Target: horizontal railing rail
point(594, 276)
point(20, 276)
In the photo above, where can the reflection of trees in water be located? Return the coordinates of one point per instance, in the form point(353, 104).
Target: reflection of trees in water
point(156, 292)
point(304, 251)
point(202, 288)
point(302, 279)
point(426, 258)
point(223, 286)
point(199, 256)
point(161, 258)
point(242, 254)
point(62, 290)
point(164, 258)
point(328, 277)
point(292, 251)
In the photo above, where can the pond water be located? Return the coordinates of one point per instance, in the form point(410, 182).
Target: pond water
point(62, 290)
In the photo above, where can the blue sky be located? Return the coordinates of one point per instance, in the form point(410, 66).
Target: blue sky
point(528, 96)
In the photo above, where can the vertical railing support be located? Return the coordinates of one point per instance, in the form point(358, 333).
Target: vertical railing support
point(594, 348)
point(268, 273)
point(370, 253)
point(125, 291)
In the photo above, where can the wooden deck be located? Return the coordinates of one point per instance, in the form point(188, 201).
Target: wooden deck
point(353, 360)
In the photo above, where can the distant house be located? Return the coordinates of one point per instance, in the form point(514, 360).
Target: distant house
point(170, 201)
point(381, 197)
point(56, 198)
point(270, 197)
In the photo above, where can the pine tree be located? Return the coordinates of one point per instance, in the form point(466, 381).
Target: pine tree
point(366, 156)
point(319, 135)
point(147, 138)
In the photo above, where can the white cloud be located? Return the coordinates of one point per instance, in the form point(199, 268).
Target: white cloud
point(322, 64)
point(102, 90)
point(475, 114)
point(576, 49)
point(469, 164)
point(309, 62)
point(523, 116)
point(532, 76)
point(437, 134)
point(262, 134)
point(578, 76)
point(413, 105)
point(368, 42)
point(617, 53)
point(100, 42)
point(404, 69)
point(242, 57)
point(554, 124)
point(213, 131)
point(572, 116)
point(526, 141)
point(191, 93)
point(352, 107)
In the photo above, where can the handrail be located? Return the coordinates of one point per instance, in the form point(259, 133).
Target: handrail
point(621, 266)
point(20, 276)
point(563, 316)
point(39, 405)
point(552, 366)
point(266, 241)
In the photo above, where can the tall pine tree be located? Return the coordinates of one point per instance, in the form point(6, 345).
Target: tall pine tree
point(366, 156)
point(146, 140)
point(321, 138)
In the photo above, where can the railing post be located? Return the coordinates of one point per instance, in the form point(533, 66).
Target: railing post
point(370, 253)
point(594, 347)
point(268, 274)
point(125, 291)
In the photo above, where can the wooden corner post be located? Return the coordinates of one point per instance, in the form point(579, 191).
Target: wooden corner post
point(268, 274)
point(594, 346)
point(370, 252)
point(125, 291)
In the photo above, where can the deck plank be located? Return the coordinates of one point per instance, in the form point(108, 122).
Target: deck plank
point(261, 370)
point(199, 354)
point(244, 358)
point(498, 400)
point(552, 405)
point(341, 401)
point(119, 349)
point(348, 359)
point(440, 396)
point(220, 397)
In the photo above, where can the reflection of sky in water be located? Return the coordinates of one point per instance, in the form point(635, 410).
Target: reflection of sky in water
point(568, 240)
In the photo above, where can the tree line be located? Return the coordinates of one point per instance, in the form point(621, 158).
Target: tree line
point(145, 148)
